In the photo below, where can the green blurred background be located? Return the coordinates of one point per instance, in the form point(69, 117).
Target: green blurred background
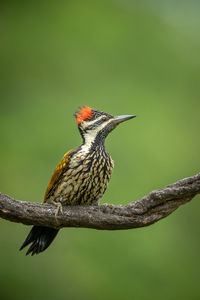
point(122, 57)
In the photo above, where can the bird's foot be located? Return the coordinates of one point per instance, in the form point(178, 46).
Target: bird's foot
point(58, 209)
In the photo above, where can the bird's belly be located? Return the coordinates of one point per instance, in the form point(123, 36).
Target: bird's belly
point(84, 185)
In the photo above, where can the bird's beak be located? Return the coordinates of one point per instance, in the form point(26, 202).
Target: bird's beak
point(120, 119)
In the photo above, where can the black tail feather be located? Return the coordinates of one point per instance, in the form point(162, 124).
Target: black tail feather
point(40, 238)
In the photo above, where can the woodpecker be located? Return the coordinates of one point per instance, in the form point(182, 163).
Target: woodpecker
point(82, 176)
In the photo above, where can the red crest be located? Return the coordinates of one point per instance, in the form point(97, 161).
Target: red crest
point(83, 114)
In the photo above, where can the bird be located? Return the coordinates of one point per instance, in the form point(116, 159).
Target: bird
point(82, 175)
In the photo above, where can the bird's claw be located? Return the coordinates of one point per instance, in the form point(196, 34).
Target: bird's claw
point(58, 209)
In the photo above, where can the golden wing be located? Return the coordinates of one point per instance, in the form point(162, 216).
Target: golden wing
point(56, 175)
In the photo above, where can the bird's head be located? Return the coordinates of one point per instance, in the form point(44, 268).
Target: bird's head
point(95, 125)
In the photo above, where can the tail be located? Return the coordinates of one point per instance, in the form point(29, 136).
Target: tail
point(40, 238)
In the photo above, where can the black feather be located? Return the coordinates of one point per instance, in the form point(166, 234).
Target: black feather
point(40, 238)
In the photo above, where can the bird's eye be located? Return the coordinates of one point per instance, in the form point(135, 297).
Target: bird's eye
point(104, 119)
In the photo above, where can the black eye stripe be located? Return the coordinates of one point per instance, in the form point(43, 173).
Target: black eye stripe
point(96, 124)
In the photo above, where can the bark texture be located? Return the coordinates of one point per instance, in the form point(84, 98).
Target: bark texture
point(151, 208)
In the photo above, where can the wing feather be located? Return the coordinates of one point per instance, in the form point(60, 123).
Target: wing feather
point(56, 174)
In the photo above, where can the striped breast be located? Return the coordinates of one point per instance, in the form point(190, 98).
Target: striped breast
point(84, 178)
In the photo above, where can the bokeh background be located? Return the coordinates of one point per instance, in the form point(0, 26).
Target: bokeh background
point(122, 57)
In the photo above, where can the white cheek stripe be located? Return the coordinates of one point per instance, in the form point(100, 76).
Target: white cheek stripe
point(91, 135)
point(85, 124)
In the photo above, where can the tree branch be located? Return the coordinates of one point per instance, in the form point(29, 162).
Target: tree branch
point(146, 211)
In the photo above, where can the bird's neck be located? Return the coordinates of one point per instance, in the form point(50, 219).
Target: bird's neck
point(92, 143)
